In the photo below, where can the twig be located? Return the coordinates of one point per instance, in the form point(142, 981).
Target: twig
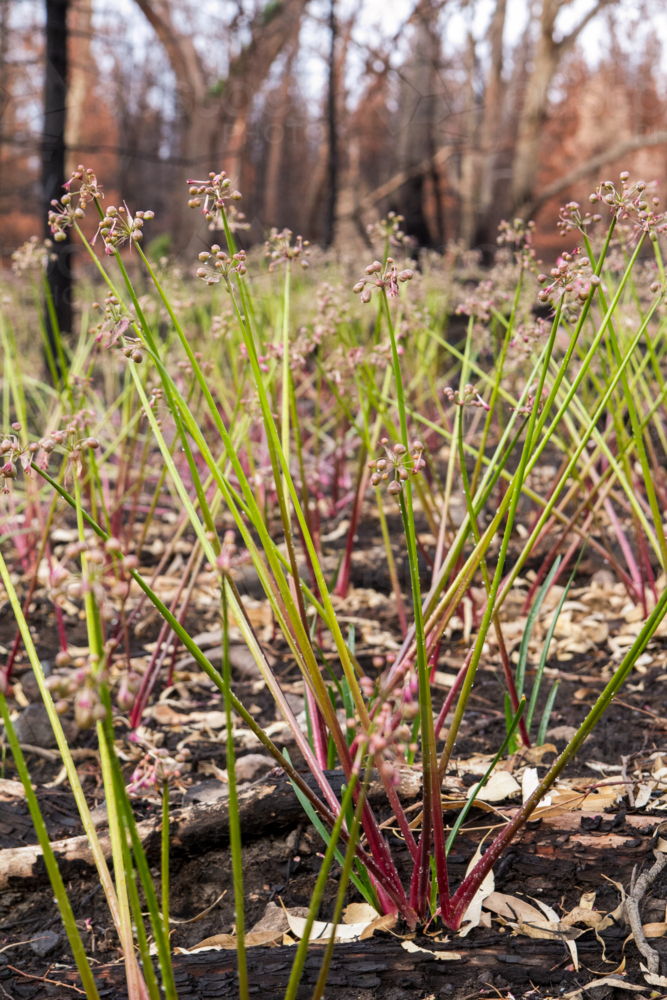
point(43, 979)
point(637, 892)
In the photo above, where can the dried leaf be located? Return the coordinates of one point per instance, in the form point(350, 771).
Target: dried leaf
point(511, 907)
point(229, 942)
point(656, 930)
point(442, 956)
point(652, 978)
point(320, 929)
point(500, 786)
point(552, 916)
point(359, 913)
point(386, 923)
point(583, 915)
point(473, 914)
point(618, 983)
point(549, 930)
point(534, 755)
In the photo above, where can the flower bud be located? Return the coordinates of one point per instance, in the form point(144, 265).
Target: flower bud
point(394, 488)
point(83, 709)
point(63, 658)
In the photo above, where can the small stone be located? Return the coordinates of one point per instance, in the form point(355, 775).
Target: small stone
point(250, 767)
point(34, 727)
point(206, 791)
point(29, 682)
point(44, 942)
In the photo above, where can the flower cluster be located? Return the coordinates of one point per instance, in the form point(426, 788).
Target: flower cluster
point(529, 404)
point(389, 230)
point(79, 688)
point(280, 249)
point(12, 450)
point(386, 279)
point(572, 274)
point(33, 255)
point(155, 767)
point(115, 321)
point(393, 713)
point(527, 333)
point(630, 203)
point(468, 396)
point(570, 218)
point(481, 300)
point(215, 192)
point(65, 212)
point(118, 226)
point(219, 265)
point(66, 585)
point(516, 233)
point(400, 462)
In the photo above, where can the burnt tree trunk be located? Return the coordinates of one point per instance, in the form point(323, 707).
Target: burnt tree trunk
point(332, 194)
point(59, 272)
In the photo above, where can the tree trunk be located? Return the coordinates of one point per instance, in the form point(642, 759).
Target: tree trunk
point(53, 157)
point(418, 103)
point(332, 194)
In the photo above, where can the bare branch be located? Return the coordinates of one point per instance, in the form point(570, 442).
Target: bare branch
point(568, 40)
point(611, 153)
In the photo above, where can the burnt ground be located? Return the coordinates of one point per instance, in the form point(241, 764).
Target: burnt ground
point(556, 859)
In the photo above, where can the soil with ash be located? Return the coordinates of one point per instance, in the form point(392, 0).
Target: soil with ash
point(556, 860)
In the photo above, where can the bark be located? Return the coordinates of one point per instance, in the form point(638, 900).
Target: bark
point(547, 58)
point(82, 79)
point(276, 146)
point(332, 192)
point(479, 161)
point(417, 113)
point(53, 157)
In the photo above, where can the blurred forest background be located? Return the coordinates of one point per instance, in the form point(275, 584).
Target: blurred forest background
point(330, 113)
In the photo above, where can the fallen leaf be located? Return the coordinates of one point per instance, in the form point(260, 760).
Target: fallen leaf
point(642, 795)
point(583, 915)
point(443, 956)
point(534, 755)
point(473, 914)
point(606, 981)
point(652, 978)
point(385, 923)
point(500, 786)
point(654, 930)
point(529, 783)
point(359, 913)
point(549, 930)
point(511, 907)
point(552, 916)
point(229, 942)
point(320, 929)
